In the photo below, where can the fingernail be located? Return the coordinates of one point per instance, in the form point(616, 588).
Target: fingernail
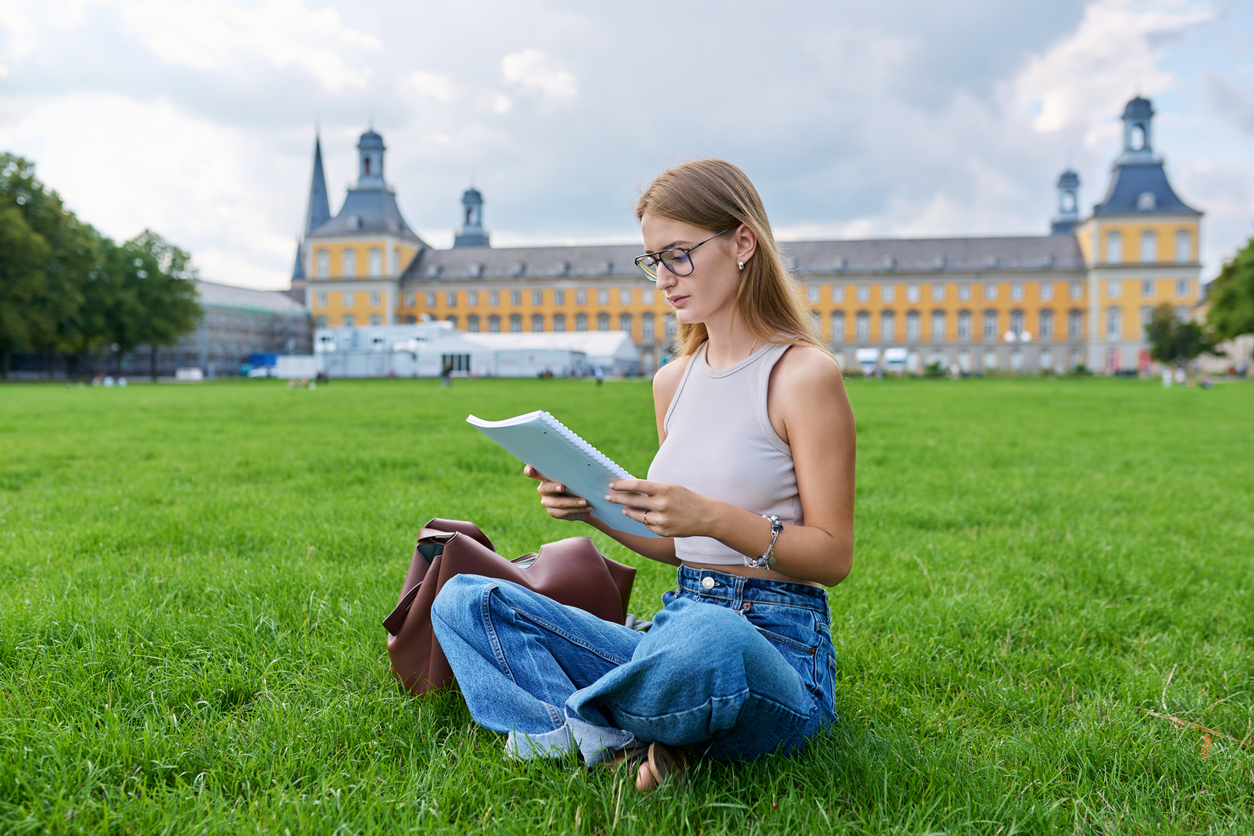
point(607, 497)
point(561, 489)
point(583, 502)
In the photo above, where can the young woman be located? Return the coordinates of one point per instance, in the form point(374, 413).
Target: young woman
point(751, 494)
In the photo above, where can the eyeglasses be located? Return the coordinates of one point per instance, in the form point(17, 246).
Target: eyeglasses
point(677, 259)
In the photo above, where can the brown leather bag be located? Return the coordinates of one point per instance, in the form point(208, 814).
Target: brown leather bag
point(569, 571)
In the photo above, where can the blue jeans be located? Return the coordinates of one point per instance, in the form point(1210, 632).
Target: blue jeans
point(735, 667)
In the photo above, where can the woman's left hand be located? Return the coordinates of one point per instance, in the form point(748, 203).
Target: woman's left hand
point(667, 510)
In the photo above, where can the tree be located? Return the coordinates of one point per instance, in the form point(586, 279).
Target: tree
point(165, 283)
point(1231, 296)
point(1173, 340)
point(23, 253)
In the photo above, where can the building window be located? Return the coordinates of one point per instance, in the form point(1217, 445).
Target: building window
point(646, 327)
point(1077, 290)
point(1149, 247)
point(348, 298)
point(603, 296)
point(1074, 325)
point(671, 327)
point(320, 322)
point(494, 297)
point(862, 324)
point(450, 298)
point(1114, 247)
point(349, 262)
point(348, 321)
point(476, 271)
point(964, 291)
point(323, 258)
point(1147, 314)
point(1184, 246)
point(559, 323)
point(472, 298)
point(938, 326)
point(520, 269)
point(838, 293)
point(1147, 287)
point(472, 323)
point(581, 322)
point(990, 325)
point(322, 300)
point(887, 292)
point(581, 296)
point(624, 297)
point(434, 271)
point(559, 297)
point(537, 297)
point(1047, 291)
point(812, 293)
point(624, 322)
point(888, 326)
point(1182, 287)
point(938, 292)
point(1016, 292)
point(411, 299)
point(1114, 288)
point(1046, 328)
point(646, 296)
point(376, 261)
point(515, 323)
point(451, 318)
point(1182, 314)
point(990, 358)
point(1114, 323)
point(1016, 322)
point(494, 324)
point(990, 290)
point(374, 298)
point(537, 323)
point(603, 322)
point(394, 264)
point(430, 298)
point(838, 326)
point(375, 319)
point(912, 293)
point(912, 324)
point(515, 297)
point(864, 293)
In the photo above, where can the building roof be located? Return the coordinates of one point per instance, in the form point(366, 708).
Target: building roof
point(370, 139)
point(1141, 188)
point(592, 343)
point(1036, 252)
point(368, 211)
point(1138, 108)
point(319, 210)
point(214, 295)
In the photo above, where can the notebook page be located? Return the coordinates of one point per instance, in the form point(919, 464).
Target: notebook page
point(546, 444)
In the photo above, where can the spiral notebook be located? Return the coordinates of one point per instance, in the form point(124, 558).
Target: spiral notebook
point(545, 443)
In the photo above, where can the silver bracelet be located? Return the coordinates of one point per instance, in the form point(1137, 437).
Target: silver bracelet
point(767, 560)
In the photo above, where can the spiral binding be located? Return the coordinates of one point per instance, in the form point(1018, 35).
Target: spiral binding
point(570, 434)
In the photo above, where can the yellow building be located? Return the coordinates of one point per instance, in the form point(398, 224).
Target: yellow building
point(1079, 295)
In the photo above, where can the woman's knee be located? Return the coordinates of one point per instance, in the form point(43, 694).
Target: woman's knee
point(461, 596)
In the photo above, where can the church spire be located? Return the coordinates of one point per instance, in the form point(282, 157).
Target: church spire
point(319, 210)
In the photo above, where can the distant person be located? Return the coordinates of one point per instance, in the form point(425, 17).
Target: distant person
point(1182, 376)
point(598, 374)
point(751, 500)
point(446, 374)
point(1166, 377)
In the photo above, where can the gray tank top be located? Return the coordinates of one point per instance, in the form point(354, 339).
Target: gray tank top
point(720, 443)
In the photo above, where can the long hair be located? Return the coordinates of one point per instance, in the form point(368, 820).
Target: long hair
point(714, 195)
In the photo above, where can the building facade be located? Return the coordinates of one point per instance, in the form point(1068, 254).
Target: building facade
point(1077, 296)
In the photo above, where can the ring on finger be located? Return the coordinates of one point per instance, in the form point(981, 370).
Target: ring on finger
point(646, 518)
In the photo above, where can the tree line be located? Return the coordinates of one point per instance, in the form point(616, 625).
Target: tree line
point(66, 288)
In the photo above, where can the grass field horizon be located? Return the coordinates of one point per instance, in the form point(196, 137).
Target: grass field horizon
point(192, 580)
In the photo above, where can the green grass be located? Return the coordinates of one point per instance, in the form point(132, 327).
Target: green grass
point(192, 579)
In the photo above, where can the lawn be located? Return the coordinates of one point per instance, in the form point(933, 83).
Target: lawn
point(192, 580)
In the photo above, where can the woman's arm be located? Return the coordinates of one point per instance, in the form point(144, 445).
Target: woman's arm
point(809, 410)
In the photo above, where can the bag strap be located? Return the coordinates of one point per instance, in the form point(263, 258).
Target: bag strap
point(443, 530)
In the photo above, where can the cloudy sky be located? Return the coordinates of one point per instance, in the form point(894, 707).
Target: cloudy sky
point(854, 119)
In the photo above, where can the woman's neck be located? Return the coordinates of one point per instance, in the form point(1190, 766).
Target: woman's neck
point(728, 342)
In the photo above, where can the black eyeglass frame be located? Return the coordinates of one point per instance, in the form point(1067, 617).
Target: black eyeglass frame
point(687, 256)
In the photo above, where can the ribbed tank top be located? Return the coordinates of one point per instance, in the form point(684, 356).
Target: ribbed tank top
point(720, 443)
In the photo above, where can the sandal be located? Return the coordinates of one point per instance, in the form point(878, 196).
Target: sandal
point(667, 764)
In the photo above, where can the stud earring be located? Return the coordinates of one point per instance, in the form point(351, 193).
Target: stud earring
point(740, 264)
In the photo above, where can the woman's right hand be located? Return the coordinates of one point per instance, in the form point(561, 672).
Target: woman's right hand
point(559, 504)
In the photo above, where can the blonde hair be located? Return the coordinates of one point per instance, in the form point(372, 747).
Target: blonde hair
point(715, 195)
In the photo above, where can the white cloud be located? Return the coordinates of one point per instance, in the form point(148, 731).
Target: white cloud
point(532, 70)
point(1083, 79)
point(436, 86)
point(213, 36)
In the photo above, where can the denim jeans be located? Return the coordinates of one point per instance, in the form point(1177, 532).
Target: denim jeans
point(736, 667)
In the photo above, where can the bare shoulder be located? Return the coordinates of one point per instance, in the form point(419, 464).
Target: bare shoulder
point(667, 378)
point(805, 371)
